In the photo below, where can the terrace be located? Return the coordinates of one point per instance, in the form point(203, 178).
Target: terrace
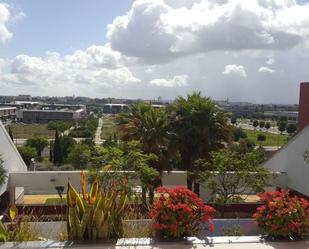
point(121, 208)
point(52, 179)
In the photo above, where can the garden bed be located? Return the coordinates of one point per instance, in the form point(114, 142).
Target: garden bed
point(242, 210)
point(142, 228)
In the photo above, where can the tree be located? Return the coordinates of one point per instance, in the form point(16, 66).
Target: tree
point(239, 133)
point(233, 120)
point(11, 133)
point(27, 153)
point(150, 127)
point(255, 123)
point(147, 125)
point(66, 143)
point(199, 127)
point(3, 172)
point(282, 126)
point(59, 125)
point(291, 128)
point(38, 143)
point(232, 175)
point(129, 157)
point(261, 138)
point(79, 156)
point(244, 146)
point(57, 152)
point(262, 124)
point(51, 147)
point(141, 162)
point(267, 125)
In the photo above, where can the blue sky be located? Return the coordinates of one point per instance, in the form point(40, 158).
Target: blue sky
point(60, 25)
point(253, 50)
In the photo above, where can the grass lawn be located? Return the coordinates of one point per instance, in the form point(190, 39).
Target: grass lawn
point(271, 139)
point(109, 128)
point(31, 130)
point(55, 201)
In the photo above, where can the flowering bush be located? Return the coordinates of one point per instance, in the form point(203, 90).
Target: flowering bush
point(179, 213)
point(282, 215)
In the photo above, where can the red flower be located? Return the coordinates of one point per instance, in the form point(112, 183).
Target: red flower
point(211, 227)
point(282, 215)
point(183, 206)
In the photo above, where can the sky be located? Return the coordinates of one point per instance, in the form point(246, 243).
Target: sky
point(253, 50)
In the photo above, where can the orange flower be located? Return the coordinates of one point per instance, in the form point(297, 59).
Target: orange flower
point(83, 184)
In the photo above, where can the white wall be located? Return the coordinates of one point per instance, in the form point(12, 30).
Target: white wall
point(45, 182)
point(12, 160)
point(290, 159)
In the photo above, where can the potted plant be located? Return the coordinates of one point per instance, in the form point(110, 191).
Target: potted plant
point(283, 216)
point(179, 213)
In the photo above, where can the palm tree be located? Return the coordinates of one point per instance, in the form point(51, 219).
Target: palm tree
point(200, 127)
point(149, 126)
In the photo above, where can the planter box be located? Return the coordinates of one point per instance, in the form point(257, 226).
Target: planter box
point(253, 242)
point(247, 227)
point(143, 228)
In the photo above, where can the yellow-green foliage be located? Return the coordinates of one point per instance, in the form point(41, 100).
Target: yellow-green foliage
point(23, 231)
point(19, 229)
point(96, 215)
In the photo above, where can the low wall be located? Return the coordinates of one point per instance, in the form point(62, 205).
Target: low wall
point(46, 181)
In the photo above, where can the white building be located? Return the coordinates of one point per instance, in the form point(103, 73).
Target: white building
point(7, 112)
point(12, 160)
point(290, 159)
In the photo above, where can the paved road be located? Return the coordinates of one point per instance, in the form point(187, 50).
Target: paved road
point(273, 130)
point(22, 141)
point(97, 137)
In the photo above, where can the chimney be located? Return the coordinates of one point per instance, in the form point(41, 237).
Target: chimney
point(303, 112)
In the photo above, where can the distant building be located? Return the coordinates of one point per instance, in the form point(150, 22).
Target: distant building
point(44, 116)
point(7, 112)
point(22, 104)
point(277, 114)
point(117, 108)
point(24, 97)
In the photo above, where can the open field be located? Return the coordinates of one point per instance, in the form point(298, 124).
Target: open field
point(31, 130)
point(109, 128)
point(271, 139)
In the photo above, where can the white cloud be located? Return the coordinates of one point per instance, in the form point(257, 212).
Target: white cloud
point(176, 81)
point(95, 69)
point(270, 61)
point(266, 70)
point(157, 31)
point(235, 70)
point(5, 15)
point(199, 38)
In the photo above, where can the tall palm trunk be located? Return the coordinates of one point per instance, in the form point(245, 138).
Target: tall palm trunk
point(196, 188)
point(189, 182)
